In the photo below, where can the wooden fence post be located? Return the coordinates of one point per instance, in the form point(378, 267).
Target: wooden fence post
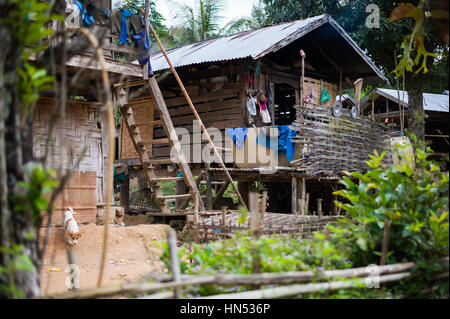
point(319, 207)
point(174, 261)
point(294, 196)
point(385, 245)
point(263, 208)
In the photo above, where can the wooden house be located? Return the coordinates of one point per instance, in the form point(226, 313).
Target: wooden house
point(221, 74)
point(80, 129)
point(385, 106)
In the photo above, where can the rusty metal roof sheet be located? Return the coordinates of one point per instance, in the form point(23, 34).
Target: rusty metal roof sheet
point(253, 44)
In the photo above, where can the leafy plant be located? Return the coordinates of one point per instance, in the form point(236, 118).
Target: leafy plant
point(19, 261)
point(30, 198)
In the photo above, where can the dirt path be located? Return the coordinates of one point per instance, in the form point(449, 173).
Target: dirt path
point(130, 254)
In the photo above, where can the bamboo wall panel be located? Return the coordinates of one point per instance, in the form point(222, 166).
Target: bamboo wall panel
point(332, 144)
point(80, 128)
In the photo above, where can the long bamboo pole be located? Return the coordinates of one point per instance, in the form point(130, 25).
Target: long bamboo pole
point(191, 105)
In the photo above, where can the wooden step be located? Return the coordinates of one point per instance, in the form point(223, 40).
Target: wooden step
point(159, 141)
point(155, 122)
point(167, 179)
point(181, 196)
point(158, 161)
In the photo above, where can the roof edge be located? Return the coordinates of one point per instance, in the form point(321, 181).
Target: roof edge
point(356, 47)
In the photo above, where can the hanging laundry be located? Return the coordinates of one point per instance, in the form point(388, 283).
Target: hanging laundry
point(238, 135)
point(142, 41)
point(87, 19)
point(124, 27)
point(285, 144)
point(137, 23)
point(251, 106)
point(325, 96)
point(116, 22)
point(267, 138)
point(263, 110)
point(284, 139)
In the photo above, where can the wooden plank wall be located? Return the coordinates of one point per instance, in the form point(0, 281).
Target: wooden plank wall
point(219, 104)
point(81, 127)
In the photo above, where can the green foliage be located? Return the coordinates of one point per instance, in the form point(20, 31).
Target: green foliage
point(413, 197)
point(200, 24)
point(415, 40)
point(415, 200)
point(30, 196)
point(19, 261)
point(28, 24)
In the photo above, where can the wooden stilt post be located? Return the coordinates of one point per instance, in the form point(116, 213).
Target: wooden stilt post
point(319, 207)
point(303, 206)
point(294, 196)
point(306, 203)
point(373, 108)
point(209, 202)
point(125, 195)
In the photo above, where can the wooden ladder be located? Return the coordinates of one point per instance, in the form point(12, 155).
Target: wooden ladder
point(172, 140)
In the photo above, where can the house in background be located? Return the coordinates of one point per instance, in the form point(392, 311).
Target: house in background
point(222, 74)
point(81, 132)
point(383, 105)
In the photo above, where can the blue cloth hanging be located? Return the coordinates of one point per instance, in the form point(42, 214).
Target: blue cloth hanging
point(87, 19)
point(238, 135)
point(284, 140)
point(123, 27)
point(142, 41)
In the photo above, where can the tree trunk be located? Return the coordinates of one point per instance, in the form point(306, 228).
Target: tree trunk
point(15, 151)
point(416, 114)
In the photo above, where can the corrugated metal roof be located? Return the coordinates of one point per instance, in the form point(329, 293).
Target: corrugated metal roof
point(431, 102)
point(251, 44)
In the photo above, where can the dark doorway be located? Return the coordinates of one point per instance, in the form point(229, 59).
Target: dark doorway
point(284, 104)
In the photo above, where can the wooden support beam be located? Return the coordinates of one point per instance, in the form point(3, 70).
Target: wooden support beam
point(147, 22)
point(208, 181)
point(294, 196)
point(303, 206)
point(319, 207)
point(220, 193)
point(125, 195)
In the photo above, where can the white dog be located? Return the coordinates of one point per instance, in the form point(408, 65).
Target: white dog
point(72, 233)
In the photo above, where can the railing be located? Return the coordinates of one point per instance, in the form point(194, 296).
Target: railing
point(288, 283)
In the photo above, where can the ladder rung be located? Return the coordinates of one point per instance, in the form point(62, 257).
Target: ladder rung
point(158, 161)
point(140, 144)
point(159, 141)
point(167, 179)
point(155, 122)
point(181, 196)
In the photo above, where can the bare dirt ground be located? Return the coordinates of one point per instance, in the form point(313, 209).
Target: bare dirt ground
point(130, 254)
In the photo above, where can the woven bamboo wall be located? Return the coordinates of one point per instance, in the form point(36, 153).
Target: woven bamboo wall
point(80, 128)
point(332, 144)
point(221, 107)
